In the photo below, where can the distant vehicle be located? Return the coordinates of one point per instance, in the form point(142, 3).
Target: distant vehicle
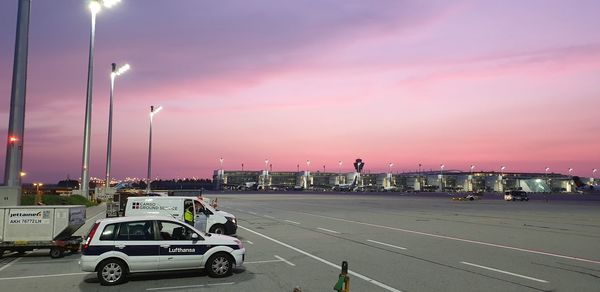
point(515, 196)
point(116, 247)
point(469, 197)
point(585, 188)
point(203, 216)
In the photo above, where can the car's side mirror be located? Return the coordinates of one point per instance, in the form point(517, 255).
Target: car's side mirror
point(195, 236)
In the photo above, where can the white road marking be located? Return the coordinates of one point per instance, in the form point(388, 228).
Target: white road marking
point(386, 244)
point(263, 262)
point(220, 284)
point(270, 217)
point(294, 222)
point(505, 272)
point(459, 239)
point(10, 264)
point(189, 286)
point(328, 230)
point(337, 267)
point(101, 213)
point(45, 276)
point(285, 261)
point(253, 213)
point(248, 241)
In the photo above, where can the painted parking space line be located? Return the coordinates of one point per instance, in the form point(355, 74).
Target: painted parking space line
point(46, 276)
point(457, 239)
point(285, 261)
point(10, 263)
point(505, 272)
point(248, 241)
point(328, 230)
point(358, 275)
point(293, 222)
point(270, 217)
point(253, 213)
point(386, 244)
point(188, 286)
point(263, 262)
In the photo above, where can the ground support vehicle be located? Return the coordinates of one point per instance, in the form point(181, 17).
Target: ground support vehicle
point(25, 228)
point(515, 196)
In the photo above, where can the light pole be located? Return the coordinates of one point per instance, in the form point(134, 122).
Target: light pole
point(152, 113)
point(594, 172)
point(221, 161)
point(570, 170)
point(266, 164)
point(307, 165)
point(16, 123)
point(95, 7)
point(472, 168)
point(340, 171)
point(113, 75)
point(442, 177)
point(38, 196)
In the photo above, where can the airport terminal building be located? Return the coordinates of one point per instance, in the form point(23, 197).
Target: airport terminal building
point(426, 181)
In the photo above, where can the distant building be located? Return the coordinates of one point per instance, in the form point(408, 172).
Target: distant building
point(426, 181)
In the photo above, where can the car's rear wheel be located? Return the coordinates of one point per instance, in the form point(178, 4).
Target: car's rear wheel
point(112, 272)
point(219, 265)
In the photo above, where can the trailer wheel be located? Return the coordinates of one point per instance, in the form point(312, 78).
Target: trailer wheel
point(56, 253)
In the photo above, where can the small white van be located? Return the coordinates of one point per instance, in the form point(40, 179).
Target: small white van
point(203, 216)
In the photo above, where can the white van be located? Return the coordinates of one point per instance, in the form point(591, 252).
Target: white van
point(205, 217)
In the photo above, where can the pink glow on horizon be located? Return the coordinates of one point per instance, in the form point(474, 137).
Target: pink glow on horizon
point(441, 85)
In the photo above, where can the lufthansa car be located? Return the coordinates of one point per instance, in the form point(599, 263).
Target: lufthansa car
point(116, 247)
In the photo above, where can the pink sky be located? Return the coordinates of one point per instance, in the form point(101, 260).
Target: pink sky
point(506, 83)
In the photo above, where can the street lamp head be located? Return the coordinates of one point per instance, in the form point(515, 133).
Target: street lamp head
point(23, 173)
point(442, 166)
point(95, 7)
point(122, 69)
point(154, 111)
point(110, 3)
point(594, 170)
point(340, 162)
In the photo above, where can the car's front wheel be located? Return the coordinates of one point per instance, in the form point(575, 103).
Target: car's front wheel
point(112, 272)
point(219, 265)
point(218, 229)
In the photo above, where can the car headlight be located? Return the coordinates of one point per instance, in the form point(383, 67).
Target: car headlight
point(231, 219)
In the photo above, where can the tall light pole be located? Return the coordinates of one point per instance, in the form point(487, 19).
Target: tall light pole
point(153, 112)
point(113, 75)
point(221, 161)
point(570, 170)
point(266, 164)
point(95, 7)
point(390, 166)
point(16, 122)
point(594, 172)
point(307, 165)
point(472, 168)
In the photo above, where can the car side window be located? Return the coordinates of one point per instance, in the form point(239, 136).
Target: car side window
point(173, 231)
point(138, 230)
point(109, 232)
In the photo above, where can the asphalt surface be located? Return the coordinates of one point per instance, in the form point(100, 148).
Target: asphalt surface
point(391, 242)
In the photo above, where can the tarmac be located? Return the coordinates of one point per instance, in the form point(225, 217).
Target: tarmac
point(392, 242)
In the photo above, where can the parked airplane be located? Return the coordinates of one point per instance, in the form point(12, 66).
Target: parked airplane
point(585, 188)
point(351, 187)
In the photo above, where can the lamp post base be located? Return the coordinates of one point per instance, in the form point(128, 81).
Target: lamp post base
point(10, 196)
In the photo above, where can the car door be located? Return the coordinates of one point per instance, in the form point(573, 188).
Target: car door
point(136, 239)
point(177, 248)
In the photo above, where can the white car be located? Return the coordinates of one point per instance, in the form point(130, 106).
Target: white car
point(116, 247)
